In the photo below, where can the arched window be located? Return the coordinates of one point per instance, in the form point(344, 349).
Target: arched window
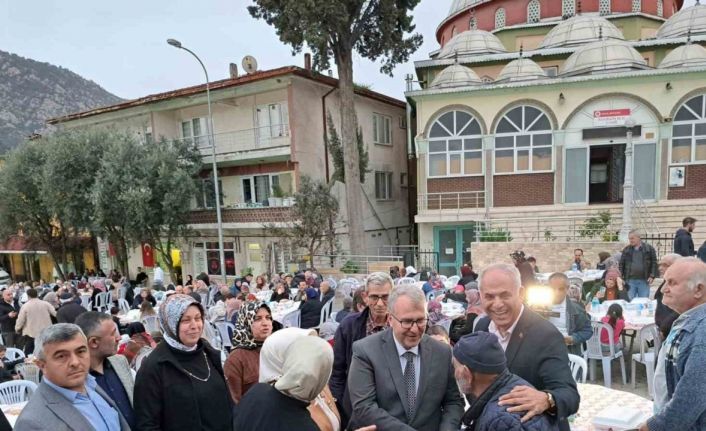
point(689, 132)
point(660, 7)
point(500, 18)
point(637, 5)
point(533, 11)
point(604, 7)
point(455, 146)
point(454, 32)
point(568, 7)
point(473, 25)
point(523, 142)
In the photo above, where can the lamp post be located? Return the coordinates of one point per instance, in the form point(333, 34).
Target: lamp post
point(628, 183)
point(175, 43)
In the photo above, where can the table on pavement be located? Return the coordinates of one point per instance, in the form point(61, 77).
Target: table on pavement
point(595, 398)
point(12, 411)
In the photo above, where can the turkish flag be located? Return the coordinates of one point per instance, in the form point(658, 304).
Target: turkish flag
point(147, 255)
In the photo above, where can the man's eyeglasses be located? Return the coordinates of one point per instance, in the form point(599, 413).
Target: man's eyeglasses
point(375, 298)
point(407, 324)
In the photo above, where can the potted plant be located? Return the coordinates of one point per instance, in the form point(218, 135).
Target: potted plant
point(277, 196)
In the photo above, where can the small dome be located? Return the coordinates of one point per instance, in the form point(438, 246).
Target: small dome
point(458, 5)
point(602, 56)
point(456, 76)
point(689, 55)
point(691, 19)
point(581, 29)
point(472, 42)
point(522, 69)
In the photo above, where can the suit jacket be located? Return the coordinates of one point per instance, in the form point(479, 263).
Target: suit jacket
point(537, 353)
point(49, 410)
point(122, 369)
point(378, 393)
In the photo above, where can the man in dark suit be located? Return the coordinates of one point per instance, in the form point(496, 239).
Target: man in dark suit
point(401, 379)
point(534, 348)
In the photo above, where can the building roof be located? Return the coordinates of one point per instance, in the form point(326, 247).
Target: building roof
point(521, 69)
point(457, 5)
point(689, 55)
point(689, 20)
point(581, 29)
point(223, 84)
point(602, 56)
point(472, 42)
point(456, 76)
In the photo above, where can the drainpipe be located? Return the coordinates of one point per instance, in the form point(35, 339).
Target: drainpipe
point(323, 113)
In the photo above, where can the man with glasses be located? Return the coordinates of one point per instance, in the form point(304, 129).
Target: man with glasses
point(373, 319)
point(403, 379)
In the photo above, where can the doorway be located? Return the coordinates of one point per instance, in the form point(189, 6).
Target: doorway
point(453, 244)
point(606, 173)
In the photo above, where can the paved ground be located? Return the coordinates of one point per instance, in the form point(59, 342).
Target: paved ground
point(617, 380)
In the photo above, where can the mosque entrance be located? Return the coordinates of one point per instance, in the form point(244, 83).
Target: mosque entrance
point(606, 173)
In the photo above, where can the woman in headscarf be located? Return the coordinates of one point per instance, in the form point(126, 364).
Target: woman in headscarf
point(461, 327)
point(242, 368)
point(295, 366)
point(611, 289)
point(139, 338)
point(180, 385)
point(434, 309)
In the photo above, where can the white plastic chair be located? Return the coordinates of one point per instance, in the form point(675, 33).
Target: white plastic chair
point(579, 368)
point(595, 352)
point(141, 355)
point(13, 354)
point(158, 295)
point(151, 323)
point(16, 391)
point(406, 280)
point(453, 280)
point(325, 312)
point(433, 294)
point(213, 335)
point(647, 356)
point(226, 329)
point(292, 320)
point(86, 302)
point(29, 372)
point(101, 303)
point(123, 305)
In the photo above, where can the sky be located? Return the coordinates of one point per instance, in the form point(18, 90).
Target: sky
point(122, 45)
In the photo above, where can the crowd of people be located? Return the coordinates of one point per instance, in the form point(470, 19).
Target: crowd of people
point(384, 362)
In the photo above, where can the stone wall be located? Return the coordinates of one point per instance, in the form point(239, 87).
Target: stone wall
point(551, 256)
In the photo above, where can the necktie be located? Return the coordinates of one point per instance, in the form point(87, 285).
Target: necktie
point(410, 383)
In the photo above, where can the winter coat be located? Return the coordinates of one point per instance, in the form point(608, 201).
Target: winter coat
point(702, 253)
point(649, 257)
point(34, 316)
point(311, 313)
point(68, 312)
point(7, 323)
point(683, 243)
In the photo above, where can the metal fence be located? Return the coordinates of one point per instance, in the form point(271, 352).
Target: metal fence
point(663, 243)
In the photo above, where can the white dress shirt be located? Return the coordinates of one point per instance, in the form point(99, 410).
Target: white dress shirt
point(560, 322)
point(403, 361)
point(504, 340)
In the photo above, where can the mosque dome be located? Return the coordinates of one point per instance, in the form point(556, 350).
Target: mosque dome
point(521, 69)
point(603, 55)
point(581, 29)
point(472, 42)
point(689, 55)
point(458, 5)
point(688, 20)
point(456, 76)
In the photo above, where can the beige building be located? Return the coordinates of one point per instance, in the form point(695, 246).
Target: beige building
point(268, 132)
point(523, 124)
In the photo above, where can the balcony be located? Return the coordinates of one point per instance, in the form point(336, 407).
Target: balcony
point(242, 214)
point(270, 143)
point(450, 201)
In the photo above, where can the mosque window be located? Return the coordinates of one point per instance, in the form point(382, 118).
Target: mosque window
point(637, 5)
point(689, 132)
point(660, 7)
point(454, 32)
point(455, 145)
point(533, 11)
point(568, 7)
point(473, 25)
point(500, 18)
point(604, 7)
point(523, 142)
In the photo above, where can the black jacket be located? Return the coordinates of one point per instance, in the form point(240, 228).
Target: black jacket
point(265, 408)
point(649, 257)
point(7, 323)
point(164, 393)
point(537, 353)
point(68, 312)
point(311, 313)
point(683, 243)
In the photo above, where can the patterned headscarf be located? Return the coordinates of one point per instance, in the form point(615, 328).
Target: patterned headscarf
point(170, 314)
point(242, 336)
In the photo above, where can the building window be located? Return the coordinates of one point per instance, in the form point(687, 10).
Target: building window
point(383, 186)
point(454, 32)
point(455, 146)
point(568, 8)
point(257, 189)
point(689, 132)
point(660, 7)
point(604, 7)
point(500, 18)
point(533, 11)
point(551, 71)
point(403, 179)
point(523, 142)
point(195, 130)
point(473, 25)
point(205, 196)
point(382, 133)
point(272, 120)
point(637, 5)
point(206, 258)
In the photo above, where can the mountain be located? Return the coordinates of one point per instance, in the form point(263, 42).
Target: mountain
point(32, 91)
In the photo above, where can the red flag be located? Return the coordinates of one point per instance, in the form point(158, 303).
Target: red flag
point(147, 255)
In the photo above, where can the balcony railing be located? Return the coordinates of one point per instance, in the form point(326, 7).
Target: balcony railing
point(247, 140)
point(451, 200)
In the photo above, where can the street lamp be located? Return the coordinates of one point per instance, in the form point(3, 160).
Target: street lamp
point(175, 43)
point(628, 183)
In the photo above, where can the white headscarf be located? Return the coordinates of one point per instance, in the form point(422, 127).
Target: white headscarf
point(274, 350)
point(307, 368)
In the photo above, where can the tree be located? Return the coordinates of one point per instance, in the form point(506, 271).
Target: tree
point(314, 206)
point(376, 30)
point(336, 150)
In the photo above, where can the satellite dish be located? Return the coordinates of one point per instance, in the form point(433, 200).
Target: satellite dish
point(249, 64)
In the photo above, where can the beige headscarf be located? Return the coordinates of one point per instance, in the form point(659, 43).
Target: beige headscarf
point(307, 368)
point(274, 350)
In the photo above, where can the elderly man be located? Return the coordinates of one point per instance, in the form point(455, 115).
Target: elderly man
point(568, 316)
point(665, 316)
point(34, 316)
point(638, 266)
point(402, 379)
point(9, 309)
point(679, 378)
point(326, 293)
point(482, 374)
point(68, 398)
point(111, 371)
point(534, 348)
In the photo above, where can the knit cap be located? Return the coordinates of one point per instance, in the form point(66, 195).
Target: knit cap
point(481, 352)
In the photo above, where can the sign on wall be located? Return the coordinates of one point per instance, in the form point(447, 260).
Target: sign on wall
point(677, 174)
point(610, 117)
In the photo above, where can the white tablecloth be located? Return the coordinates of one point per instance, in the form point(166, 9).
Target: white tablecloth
point(595, 398)
point(12, 411)
point(281, 309)
point(634, 319)
point(586, 276)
